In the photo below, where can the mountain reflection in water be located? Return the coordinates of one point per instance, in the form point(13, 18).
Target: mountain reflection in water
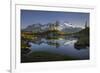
point(63, 46)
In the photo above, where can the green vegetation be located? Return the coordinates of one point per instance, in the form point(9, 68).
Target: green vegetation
point(52, 33)
point(25, 38)
point(24, 43)
point(83, 39)
point(28, 35)
point(53, 38)
point(44, 56)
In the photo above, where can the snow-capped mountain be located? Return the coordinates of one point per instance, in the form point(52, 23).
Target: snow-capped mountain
point(73, 26)
point(65, 27)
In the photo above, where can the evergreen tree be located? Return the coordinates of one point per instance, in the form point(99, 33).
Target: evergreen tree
point(86, 24)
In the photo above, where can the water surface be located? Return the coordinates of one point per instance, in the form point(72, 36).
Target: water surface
point(63, 46)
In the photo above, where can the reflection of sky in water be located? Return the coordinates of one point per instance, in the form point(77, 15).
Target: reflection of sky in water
point(65, 47)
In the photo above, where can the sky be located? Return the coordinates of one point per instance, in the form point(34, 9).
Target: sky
point(29, 17)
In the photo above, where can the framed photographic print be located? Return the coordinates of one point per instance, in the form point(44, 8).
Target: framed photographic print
point(44, 35)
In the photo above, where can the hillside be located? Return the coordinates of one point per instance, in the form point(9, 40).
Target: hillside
point(83, 38)
point(65, 27)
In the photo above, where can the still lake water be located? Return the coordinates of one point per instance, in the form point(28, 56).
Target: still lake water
point(64, 46)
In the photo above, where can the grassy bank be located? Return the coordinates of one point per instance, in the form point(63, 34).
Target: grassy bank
point(44, 56)
point(83, 39)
